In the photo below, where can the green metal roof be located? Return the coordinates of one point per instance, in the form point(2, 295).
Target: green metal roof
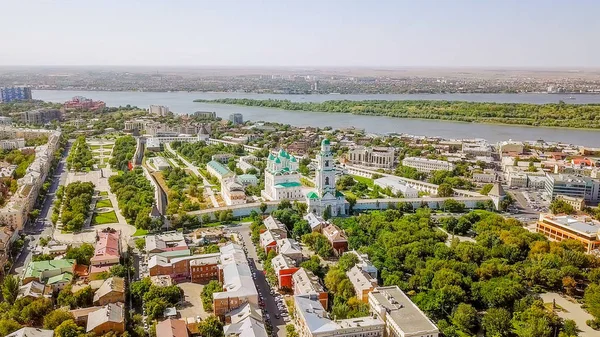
point(289, 184)
point(218, 167)
point(277, 160)
point(64, 277)
point(247, 177)
point(292, 159)
point(325, 142)
point(339, 194)
point(312, 195)
point(35, 269)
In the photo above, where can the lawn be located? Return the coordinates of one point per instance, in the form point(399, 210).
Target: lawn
point(104, 218)
point(367, 181)
point(104, 203)
point(104, 193)
point(95, 147)
point(140, 232)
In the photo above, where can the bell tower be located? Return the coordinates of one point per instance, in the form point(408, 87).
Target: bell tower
point(325, 178)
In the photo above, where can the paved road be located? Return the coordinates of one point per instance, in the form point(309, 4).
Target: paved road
point(43, 226)
point(261, 282)
point(573, 311)
point(194, 169)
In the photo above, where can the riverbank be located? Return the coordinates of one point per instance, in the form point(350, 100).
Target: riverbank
point(551, 115)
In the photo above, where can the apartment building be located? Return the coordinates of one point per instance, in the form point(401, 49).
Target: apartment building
point(107, 252)
point(364, 263)
point(13, 94)
point(312, 320)
point(573, 186)
point(196, 268)
point(268, 241)
point(158, 110)
point(236, 119)
point(337, 239)
point(205, 114)
point(11, 144)
point(40, 116)
point(377, 157)
point(304, 282)
point(137, 124)
point(401, 316)
point(362, 282)
point(427, 165)
point(82, 103)
point(290, 248)
point(245, 321)
point(166, 242)
point(577, 203)
point(275, 226)
point(561, 227)
point(477, 149)
point(315, 222)
point(236, 277)
point(284, 268)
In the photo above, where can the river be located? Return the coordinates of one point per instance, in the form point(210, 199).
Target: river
point(182, 102)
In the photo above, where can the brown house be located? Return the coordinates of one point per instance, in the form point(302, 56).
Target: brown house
point(336, 238)
point(110, 317)
point(111, 291)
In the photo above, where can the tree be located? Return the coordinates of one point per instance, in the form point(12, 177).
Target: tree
point(68, 328)
point(262, 207)
point(56, 318)
point(314, 265)
point(445, 191)
point(285, 203)
point(207, 294)
point(347, 261)
point(453, 206)
point(211, 327)
point(10, 288)
point(486, 189)
point(82, 254)
point(118, 270)
point(496, 322)
point(559, 206)
point(327, 213)
point(591, 298)
point(9, 325)
point(465, 317)
point(290, 331)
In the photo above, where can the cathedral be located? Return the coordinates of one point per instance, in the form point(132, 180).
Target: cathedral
point(282, 180)
point(326, 196)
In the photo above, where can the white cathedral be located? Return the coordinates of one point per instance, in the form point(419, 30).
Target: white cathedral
point(326, 195)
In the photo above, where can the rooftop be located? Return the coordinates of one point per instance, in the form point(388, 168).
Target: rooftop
point(112, 312)
point(222, 170)
point(107, 246)
point(35, 269)
point(172, 328)
point(583, 225)
point(334, 233)
point(306, 282)
point(360, 279)
point(32, 332)
point(116, 284)
point(407, 316)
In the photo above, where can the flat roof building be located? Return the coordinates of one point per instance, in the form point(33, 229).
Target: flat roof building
point(401, 316)
point(561, 227)
point(427, 165)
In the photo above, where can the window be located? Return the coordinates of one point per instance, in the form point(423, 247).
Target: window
point(326, 181)
point(327, 163)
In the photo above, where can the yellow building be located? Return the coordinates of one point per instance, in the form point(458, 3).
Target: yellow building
point(561, 227)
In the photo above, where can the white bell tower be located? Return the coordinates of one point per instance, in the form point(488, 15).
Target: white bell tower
point(325, 178)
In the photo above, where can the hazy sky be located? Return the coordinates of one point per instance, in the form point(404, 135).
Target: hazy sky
point(519, 33)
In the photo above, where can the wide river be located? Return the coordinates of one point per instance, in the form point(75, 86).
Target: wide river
point(182, 102)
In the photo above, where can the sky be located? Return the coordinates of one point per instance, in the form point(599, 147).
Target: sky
point(341, 33)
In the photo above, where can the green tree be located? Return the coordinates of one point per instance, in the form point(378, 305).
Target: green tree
point(347, 261)
point(558, 206)
point(211, 327)
point(118, 270)
point(56, 318)
point(68, 328)
point(8, 325)
point(82, 254)
point(10, 288)
point(445, 191)
point(262, 207)
point(496, 322)
point(207, 294)
point(591, 298)
point(465, 317)
point(486, 189)
point(290, 331)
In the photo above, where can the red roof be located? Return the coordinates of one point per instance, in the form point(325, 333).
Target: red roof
point(107, 246)
point(171, 328)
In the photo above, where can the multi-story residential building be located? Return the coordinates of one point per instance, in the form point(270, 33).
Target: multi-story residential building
point(5, 120)
point(362, 282)
point(205, 114)
point(246, 163)
point(486, 178)
point(427, 165)
point(282, 180)
point(197, 268)
point(82, 103)
point(236, 119)
point(166, 242)
point(401, 316)
point(378, 157)
point(233, 193)
point(10, 144)
point(218, 170)
point(304, 282)
point(397, 186)
point(578, 204)
point(573, 186)
point(313, 321)
point(245, 321)
point(236, 277)
point(12, 94)
point(284, 268)
point(222, 158)
point(290, 248)
point(40, 116)
point(561, 227)
point(268, 241)
point(510, 147)
point(158, 110)
point(481, 148)
point(112, 290)
point(275, 226)
point(517, 179)
point(315, 222)
point(337, 239)
point(364, 263)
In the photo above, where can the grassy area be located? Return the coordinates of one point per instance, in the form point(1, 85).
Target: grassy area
point(95, 147)
point(367, 181)
point(104, 193)
point(140, 232)
point(101, 165)
point(104, 203)
point(104, 218)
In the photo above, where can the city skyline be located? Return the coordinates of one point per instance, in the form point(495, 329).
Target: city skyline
point(502, 34)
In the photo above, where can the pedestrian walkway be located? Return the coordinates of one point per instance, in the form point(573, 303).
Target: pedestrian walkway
point(571, 311)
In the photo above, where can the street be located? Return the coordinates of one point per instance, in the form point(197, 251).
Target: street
point(42, 226)
point(260, 281)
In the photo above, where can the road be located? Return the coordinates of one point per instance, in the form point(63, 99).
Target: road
point(261, 282)
point(43, 226)
point(194, 169)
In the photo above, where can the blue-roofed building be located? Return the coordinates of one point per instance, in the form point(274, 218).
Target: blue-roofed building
point(282, 179)
point(218, 170)
point(13, 94)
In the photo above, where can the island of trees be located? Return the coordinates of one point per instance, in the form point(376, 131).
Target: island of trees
point(551, 115)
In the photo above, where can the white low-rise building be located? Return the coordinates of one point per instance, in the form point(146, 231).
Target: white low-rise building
point(427, 165)
point(233, 192)
point(397, 185)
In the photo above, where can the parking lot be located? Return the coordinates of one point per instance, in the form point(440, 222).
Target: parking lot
point(192, 303)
